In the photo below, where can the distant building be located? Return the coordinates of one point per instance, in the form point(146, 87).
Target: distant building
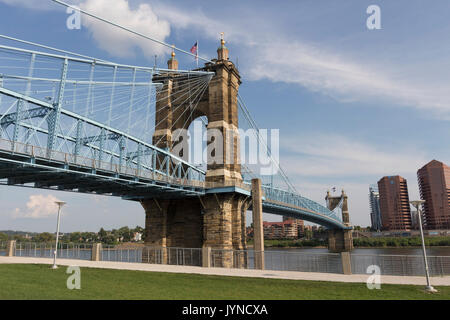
point(301, 229)
point(434, 186)
point(273, 230)
point(375, 212)
point(394, 203)
point(287, 229)
point(300, 225)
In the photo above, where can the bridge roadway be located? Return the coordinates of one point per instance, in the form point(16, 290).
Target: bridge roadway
point(31, 166)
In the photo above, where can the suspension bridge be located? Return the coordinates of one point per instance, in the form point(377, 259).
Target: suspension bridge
point(75, 123)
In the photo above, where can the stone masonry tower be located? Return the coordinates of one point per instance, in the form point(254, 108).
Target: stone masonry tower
point(339, 240)
point(216, 220)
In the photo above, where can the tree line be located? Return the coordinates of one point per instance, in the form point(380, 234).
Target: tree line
point(361, 242)
point(114, 236)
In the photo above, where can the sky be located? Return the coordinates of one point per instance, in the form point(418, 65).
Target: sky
point(352, 104)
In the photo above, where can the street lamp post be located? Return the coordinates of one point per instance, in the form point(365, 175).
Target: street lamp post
point(60, 204)
point(417, 204)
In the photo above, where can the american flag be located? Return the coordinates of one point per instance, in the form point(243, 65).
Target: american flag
point(194, 48)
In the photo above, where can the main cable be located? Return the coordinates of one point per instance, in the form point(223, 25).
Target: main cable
point(129, 30)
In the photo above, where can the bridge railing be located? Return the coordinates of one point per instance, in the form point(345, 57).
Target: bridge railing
point(94, 164)
point(121, 254)
point(401, 265)
point(46, 250)
point(396, 265)
point(280, 260)
point(3, 248)
point(287, 197)
point(154, 255)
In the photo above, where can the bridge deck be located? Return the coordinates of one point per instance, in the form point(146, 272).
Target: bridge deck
point(26, 165)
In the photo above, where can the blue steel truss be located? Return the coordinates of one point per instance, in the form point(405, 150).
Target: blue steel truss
point(44, 144)
point(290, 204)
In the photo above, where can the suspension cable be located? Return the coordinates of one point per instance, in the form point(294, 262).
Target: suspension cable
point(129, 30)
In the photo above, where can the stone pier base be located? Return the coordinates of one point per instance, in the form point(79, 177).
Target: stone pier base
point(214, 221)
point(10, 248)
point(96, 252)
point(340, 240)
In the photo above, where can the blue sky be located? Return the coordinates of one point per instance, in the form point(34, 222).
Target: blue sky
point(352, 104)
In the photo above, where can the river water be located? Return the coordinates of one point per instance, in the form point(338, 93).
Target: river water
point(431, 251)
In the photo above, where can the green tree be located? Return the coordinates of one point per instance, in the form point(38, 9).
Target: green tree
point(125, 234)
point(3, 236)
point(109, 239)
point(44, 237)
point(75, 237)
point(308, 234)
point(102, 234)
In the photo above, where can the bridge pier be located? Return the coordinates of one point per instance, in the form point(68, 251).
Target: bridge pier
point(258, 231)
point(96, 252)
point(215, 221)
point(10, 248)
point(171, 223)
point(340, 240)
point(224, 229)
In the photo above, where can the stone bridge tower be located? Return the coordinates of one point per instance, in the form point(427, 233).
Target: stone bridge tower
point(339, 240)
point(216, 220)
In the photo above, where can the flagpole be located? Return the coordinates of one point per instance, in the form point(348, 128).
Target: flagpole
point(196, 59)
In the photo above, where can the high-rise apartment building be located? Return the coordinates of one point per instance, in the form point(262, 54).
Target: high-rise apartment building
point(394, 203)
point(375, 212)
point(434, 186)
point(300, 225)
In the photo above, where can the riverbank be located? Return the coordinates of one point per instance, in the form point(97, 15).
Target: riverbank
point(409, 242)
point(362, 243)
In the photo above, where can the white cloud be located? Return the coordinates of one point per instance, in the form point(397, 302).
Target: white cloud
point(321, 71)
point(333, 155)
point(267, 54)
point(121, 43)
point(209, 26)
point(115, 41)
point(38, 207)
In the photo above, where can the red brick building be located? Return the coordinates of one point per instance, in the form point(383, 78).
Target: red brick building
point(300, 225)
point(394, 203)
point(434, 186)
point(287, 229)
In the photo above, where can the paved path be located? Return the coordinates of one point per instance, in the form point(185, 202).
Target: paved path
point(291, 275)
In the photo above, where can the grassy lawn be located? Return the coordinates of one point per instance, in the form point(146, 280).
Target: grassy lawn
point(21, 281)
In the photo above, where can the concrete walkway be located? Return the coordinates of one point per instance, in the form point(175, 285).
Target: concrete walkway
point(290, 275)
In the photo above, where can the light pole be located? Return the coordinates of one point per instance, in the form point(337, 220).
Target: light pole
point(60, 204)
point(417, 204)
